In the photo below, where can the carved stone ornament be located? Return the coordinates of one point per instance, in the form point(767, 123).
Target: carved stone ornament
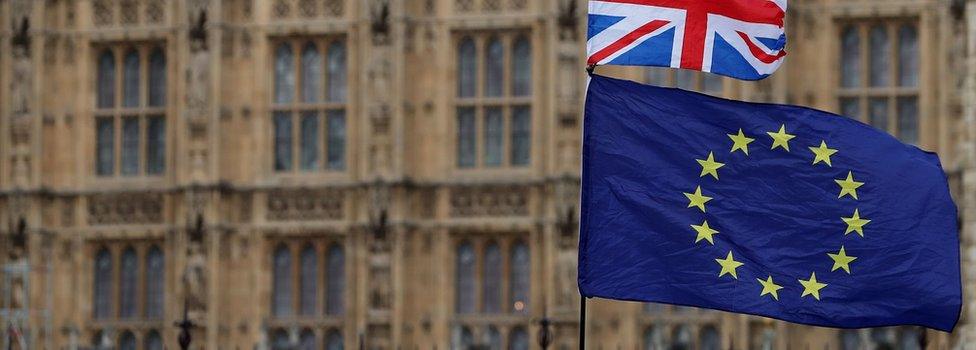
point(195, 272)
point(125, 208)
point(495, 200)
point(305, 204)
point(380, 22)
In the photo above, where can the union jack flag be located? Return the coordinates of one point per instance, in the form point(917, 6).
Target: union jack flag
point(742, 39)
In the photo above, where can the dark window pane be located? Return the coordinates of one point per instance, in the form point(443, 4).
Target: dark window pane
point(462, 338)
point(494, 134)
point(282, 279)
point(467, 67)
point(284, 74)
point(279, 340)
point(850, 107)
point(908, 119)
point(153, 341)
point(708, 339)
point(519, 339)
point(130, 146)
point(880, 56)
point(908, 56)
point(127, 290)
point(337, 140)
point(310, 141)
point(156, 145)
point(155, 283)
point(711, 83)
point(850, 58)
point(466, 137)
point(850, 339)
point(522, 67)
point(521, 135)
point(283, 141)
point(494, 68)
point(336, 274)
point(333, 341)
point(491, 274)
point(130, 80)
point(520, 266)
point(464, 275)
point(681, 338)
point(911, 338)
point(105, 146)
point(307, 340)
point(127, 341)
point(311, 74)
point(493, 339)
point(157, 78)
point(879, 112)
point(309, 282)
point(106, 80)
point(103, 284)
point(337, 72)
point(883, 338)
point(684, 79)
point(653, 339)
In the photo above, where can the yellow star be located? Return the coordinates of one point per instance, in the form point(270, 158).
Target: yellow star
point(855, 223)
point(740, 142)
point(728, 266)
point(811, 286)
point(709, 166)
point(781, 138)
point(769, 287)
point(697, 199)
point(842, 260)
point(848, 186)
point(822, 153)
point(704, 232)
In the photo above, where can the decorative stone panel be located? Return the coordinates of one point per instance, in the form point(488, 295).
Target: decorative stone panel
point(125, 208)
point(305, 204)
point(498, 200)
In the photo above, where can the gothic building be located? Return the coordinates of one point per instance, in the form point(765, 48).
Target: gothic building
point(384, 174)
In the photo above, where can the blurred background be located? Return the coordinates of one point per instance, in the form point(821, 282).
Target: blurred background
point(385, 174)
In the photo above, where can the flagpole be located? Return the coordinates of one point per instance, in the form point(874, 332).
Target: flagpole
point(582, 323)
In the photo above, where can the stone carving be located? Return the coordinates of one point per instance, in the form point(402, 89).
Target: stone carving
point(195, 272)
point(496, 200)
point(125, 208)
point(308, 8)
point(379, 204)
point(463, 5)
point(281, 9)
point(491, 5)
point(380, 22)
point(21, 83)
point(103, 12)
point(334, 7)
point(305, 204)
point(155, 12)
point(128, 11)
point(519, 4)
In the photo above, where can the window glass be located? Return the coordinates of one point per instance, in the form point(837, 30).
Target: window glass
point(880, 56)
point(284, 74)
point(130, 80)
point(464, 279)
point(281, 292)
point(283, 141)
point(106, 80)
point(522, 67)
point(157, 78)
point(309, 282)
point(467, 68)
point(850, 58)
point(336, 270)
point(337, 140)
point(311, 74)
point(519, 279)
point(494, 134)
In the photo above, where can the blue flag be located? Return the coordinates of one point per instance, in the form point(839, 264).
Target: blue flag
point(772, 210)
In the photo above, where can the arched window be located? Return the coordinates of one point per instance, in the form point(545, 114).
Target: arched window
point(336, 278)
point(518, 340)
point(850, 339)
point(279, 340)
point(309, 281)
point(491, 275)
point(521, 135)
point(493, 338)
point(333, 341)
point(153, 341)
point(519, 277)
point(463, 338)
point(522, 67)
point(467, 68)
point(130, 80)
point(281, 293)
point(155, 283)
point(494, 136)
point(880, 56)
point(337, 71)
point(98, 340)
point(127, 341)
point(106, 79)
point(464, 279)
point(284, 74)
point(910, 338)
point(130, 145)
point(708, 339)
point(681, 338)
point(311, 74)
point(103, 284)
point(129, 283)
point(850, 58)
point(157, 78)
point(883, 338)
point(653, 339)
point(306, 341)
point(908, 57)
point(494, 68)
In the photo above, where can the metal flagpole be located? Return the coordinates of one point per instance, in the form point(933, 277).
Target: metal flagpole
point(582, 323)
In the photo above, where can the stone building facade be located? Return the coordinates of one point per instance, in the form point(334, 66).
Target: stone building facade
point(383, 174)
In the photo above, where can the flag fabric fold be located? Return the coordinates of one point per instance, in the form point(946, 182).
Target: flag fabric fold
point(772, 210)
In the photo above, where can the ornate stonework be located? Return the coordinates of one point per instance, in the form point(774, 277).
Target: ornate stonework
point(125, 208)
point(488, 201)
point(304, 204)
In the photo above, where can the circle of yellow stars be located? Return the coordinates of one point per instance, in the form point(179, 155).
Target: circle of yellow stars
point(821, 155)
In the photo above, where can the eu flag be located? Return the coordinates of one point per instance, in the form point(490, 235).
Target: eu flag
point(772, 210)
